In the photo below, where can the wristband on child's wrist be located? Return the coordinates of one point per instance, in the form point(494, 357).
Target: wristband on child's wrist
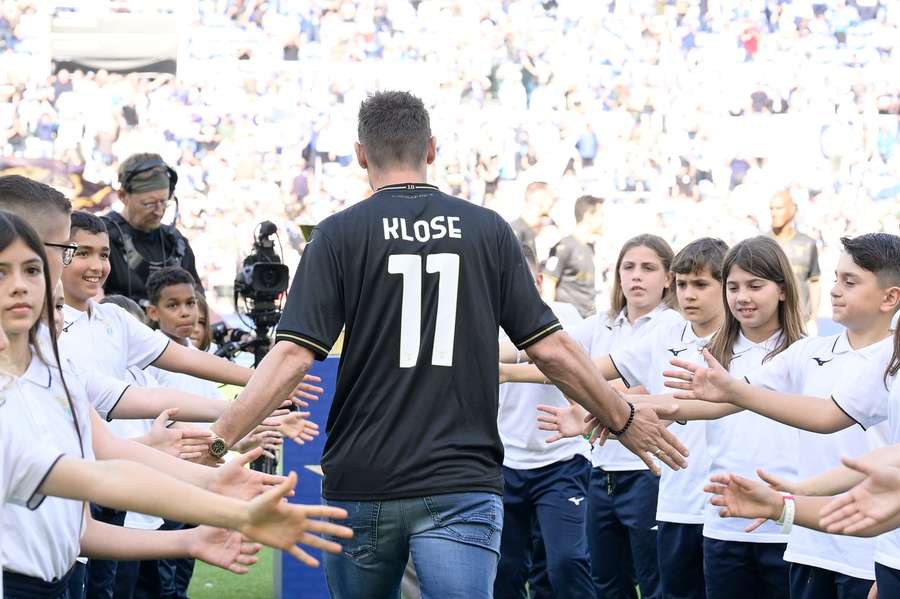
point(787, 513)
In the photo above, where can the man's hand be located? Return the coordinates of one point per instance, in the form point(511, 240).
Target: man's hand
point(282, 525)
point(307, 391)
point(742, 498)
point(183, 443)
point(234, 479)
point(648, 438)
point(225, 549)
point(566, 422)
point(697, 382)
point(870, 508)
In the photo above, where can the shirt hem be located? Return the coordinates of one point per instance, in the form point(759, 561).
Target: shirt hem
point(314, 345)
point(746, 537)
point(158, 356)
point(516, 465)
point(677, 518)
point(887, 560)
point(37, 498)
point(825, 564)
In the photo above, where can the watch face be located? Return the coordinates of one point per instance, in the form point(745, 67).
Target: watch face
point(217, 448)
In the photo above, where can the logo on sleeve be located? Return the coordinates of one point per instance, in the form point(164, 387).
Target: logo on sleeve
point(821, 362)
point(675, 352)
point(576, 500)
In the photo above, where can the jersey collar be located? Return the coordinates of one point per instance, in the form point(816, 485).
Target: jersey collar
point(742, 344)
point(407, 187)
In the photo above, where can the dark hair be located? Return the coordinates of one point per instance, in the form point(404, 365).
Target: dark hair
point(12, 229)
point(394, 129)
point(203, 309)
point(87, 222)
point(704, 253)
point(879, 253)
point(762, 257)
point(127, 304)
point(586, 204)
point(663, 252)
point(167, 277)
point(22, 195)
point(894, 365)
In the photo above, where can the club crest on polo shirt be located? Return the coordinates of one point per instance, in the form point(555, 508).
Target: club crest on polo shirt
point(63, 402)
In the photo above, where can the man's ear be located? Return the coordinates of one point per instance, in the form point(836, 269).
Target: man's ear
point(431, 150)
point(361, 156)
point(123, 197)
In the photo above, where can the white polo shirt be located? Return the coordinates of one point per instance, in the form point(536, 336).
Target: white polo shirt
point(524, 445)
point(110, 339)
point(24, 466)
point(45, 542)
point(740, 443)
point(186, 382)
point(600, 334)
point(137, 428)
point(642, 362)
point(815, 366)
point(870, 399)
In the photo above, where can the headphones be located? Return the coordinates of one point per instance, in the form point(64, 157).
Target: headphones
point(149, 165)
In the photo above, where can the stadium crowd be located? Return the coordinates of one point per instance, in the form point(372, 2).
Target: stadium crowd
point(685, 114)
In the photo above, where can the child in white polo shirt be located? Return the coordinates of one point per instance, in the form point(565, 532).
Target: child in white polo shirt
point(680, 505)
point(864, 299)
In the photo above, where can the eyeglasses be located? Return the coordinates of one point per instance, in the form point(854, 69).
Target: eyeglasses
point(68, 250)
point(156, 205)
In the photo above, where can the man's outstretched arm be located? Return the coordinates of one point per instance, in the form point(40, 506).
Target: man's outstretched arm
point(274, 379)
point(568, 366)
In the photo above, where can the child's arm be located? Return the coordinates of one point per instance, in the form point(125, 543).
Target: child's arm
point(714, 384)
point(138, 403)
point(267, 519)
point(529, 373)
point(837, 480)
point(216, 546)
point(739, 497)
point(690, 409)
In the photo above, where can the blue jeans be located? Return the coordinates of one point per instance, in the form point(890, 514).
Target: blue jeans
point(622, 533)
point(741, 570)
point(555, 495)
point(809, 582)
point(454, 540)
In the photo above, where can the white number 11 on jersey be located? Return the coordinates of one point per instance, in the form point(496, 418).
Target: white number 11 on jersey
point(409, 266)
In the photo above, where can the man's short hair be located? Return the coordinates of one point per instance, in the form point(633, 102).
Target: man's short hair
point(87, 222)
point(704, 253)
point(535, 186)
point(394, 129)
point(167, 277)
point(586, 204)
point(879, 253)
point(27, 197)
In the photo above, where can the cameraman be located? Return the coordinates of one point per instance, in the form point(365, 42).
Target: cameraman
point(139, 243)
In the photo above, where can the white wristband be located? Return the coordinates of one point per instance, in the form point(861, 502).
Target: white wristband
point(787, 514)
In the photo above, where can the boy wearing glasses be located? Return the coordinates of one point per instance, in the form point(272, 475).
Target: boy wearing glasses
point(139, 243)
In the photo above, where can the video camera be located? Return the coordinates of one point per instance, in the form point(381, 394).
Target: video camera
point(262, 278)
point(230, 342)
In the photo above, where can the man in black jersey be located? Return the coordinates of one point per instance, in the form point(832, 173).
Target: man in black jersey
point(420, 281)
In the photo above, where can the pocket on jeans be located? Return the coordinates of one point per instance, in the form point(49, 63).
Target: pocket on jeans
point(362, 517)
point(469, 517)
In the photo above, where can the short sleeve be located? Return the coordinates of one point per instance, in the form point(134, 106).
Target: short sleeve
point(864, 396)
point(559, 258)
point(144, 344)
point(25, 466)
point(814, 272)
point(634, 361)
point(779, 373)
point(523, 315)
point(314, 310)
point(104, 392)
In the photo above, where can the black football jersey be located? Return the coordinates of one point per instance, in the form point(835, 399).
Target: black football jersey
point(420, 281)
